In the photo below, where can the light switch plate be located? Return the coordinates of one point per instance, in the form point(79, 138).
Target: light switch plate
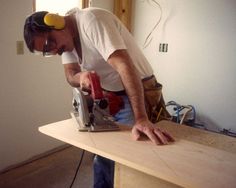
point(19, 47)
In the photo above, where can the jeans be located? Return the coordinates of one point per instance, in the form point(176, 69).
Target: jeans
point(103, 168)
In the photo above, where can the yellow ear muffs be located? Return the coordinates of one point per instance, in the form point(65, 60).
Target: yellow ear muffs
point(54, 20)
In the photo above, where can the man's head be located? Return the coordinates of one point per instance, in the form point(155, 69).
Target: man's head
point(45, 32)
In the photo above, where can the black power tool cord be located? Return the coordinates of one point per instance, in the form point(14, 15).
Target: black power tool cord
point(77, 169)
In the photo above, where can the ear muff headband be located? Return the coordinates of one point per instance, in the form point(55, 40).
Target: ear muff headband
point(44, 21)
point(35, 22)
point(54, 20)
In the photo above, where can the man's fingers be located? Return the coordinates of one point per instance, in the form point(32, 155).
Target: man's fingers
point(86, 89)
point(161, 136)
point(168, 136)
point(135, 134)
point(156, 135)
point(150, 134)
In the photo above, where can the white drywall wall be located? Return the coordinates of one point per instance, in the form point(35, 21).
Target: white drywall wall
point(33, 91)
point(199, 67)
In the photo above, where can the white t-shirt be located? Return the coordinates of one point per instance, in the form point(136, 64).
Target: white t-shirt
point(101, 33)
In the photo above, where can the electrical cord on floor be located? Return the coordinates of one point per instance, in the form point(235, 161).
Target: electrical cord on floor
point(228, 132)
point(181, 112)
point(77, 169)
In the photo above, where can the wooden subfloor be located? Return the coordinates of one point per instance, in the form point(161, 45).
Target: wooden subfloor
point(53, 171)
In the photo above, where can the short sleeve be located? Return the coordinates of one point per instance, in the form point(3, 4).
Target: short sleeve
point(104, 34)
point(69, 57)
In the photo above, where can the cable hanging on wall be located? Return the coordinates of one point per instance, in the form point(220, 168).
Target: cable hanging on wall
point(148, 39)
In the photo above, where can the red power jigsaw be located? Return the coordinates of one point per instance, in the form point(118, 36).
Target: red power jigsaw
point(93, 111)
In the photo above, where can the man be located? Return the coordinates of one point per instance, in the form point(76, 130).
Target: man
point(93, 39)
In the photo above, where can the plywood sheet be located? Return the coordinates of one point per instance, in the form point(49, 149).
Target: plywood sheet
point(185, 163)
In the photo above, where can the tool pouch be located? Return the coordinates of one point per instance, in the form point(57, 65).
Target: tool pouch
point(154, 101)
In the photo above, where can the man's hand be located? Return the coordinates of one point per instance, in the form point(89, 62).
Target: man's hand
point(156, 135)
point(85, 82)
point(76, 77)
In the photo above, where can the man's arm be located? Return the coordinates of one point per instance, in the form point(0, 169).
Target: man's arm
point(122, 63)
point(75, 77)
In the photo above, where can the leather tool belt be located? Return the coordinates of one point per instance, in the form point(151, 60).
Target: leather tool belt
point(154, 101)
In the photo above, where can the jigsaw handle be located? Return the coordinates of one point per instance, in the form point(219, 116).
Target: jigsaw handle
point(96, 89)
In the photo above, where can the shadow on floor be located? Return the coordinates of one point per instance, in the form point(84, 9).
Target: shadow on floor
point(53, 171)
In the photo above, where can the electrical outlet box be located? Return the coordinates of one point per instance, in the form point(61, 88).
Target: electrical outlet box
point(163, 47)
point(20, 47)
